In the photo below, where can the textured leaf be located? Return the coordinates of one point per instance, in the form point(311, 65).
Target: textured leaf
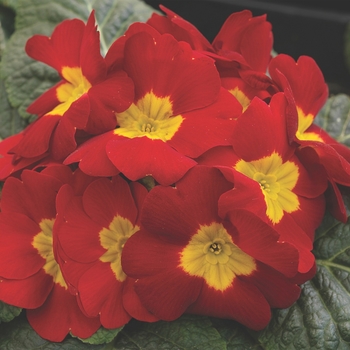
point(18, 335)
point(10, 121)
point(9, 3)
point(8, 312)
point(334, 117)
point(188, 332)
point(320, 319)
point(25, 79)
point(102, 336)
point(236, 336)
point(2, 41)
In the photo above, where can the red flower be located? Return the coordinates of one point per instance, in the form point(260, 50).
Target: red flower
point(269, 179)
point(242, 39)
point(31, 277)
point(179, 112)
point(305, 81)
point(187, 259)
point(92, 230)
point(241, 49)
point(86, 97)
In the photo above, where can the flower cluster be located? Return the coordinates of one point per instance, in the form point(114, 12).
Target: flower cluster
point(172, 175)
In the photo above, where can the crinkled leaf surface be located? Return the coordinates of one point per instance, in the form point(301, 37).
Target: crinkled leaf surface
point(188, 332)
point(102, 336)
point(320, 319)
point(334, 117)
point(236, 336)
point(8, 312)
point(26, 79)
point(9, 3)
point(10, 121)
point(2, 41)
point(19, 335)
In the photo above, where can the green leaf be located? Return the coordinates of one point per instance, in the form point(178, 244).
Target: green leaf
point(25, 79)
point(9, 3)
point(10, 121)
point(320, 319)
point(2, 41)
point(334, 117)
point(8, 312)
point(18, 335)
point(187, 332)
point(236, 336)
point(102, 336)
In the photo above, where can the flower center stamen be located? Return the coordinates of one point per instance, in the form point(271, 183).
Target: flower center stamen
point(43, 242)
point(147, 128)
point(113, 240)
point(277, 181)
point(151, 117)
point(212, 255)
point(215, 248)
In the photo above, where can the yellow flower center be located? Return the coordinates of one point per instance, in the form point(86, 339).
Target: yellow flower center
point(151, 116)
point(212, 255)
point(242, 98)
point(304, 122)
point(277, 180)
point(43, 242)
point(67, 93)
point(113, 239)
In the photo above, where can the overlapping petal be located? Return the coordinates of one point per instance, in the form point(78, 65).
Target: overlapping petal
point(92, 230)
point(30, 271)
point(176, 259)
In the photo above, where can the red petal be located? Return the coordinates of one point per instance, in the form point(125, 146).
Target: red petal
point(249, 36)
point(310, 214)
point(112, 95)
point(34, 196)
point(92, 63)
point(260, 241)
point(18, 257)
point(92, 157)
point(153, 64)
point(261, 130)
point(305, 79)
point(133, 305)
point(179, 28)
point(159, 257)
point(78, 234)
point(45, 102)
point(60, 315)
point(36, 137)
point(104, 199)
point(62, 48)
point(141, 156)
point(292, 233)
point(101, 294)
point(169, 294)
point(242, 302)
point(278, 291)
point(78, 112)
point(208, 127)
point(193, 203)
point(29, 293)
point(63, 140)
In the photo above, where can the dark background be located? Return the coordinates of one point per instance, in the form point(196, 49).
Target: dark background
point(310, 27)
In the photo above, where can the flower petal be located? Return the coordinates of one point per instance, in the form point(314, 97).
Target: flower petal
point(60, 315)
